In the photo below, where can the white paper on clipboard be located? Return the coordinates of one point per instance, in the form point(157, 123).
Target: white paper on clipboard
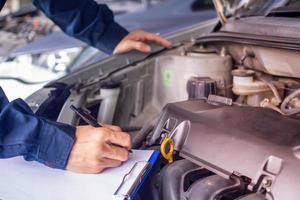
point(21, 180)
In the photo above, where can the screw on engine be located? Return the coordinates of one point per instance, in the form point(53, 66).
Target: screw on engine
point(267, 183)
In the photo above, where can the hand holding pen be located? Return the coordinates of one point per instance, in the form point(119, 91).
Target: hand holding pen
point(96, 149)
point(88, 118)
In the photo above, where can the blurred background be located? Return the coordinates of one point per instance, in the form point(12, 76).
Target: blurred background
point(33, 51)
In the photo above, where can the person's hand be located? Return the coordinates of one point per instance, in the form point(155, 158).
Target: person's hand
point(93, 150)
point(136, 40)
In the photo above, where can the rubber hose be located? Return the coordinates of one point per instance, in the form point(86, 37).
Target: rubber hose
point(272, 87)
point(142, 134)
point(286, 101)
point(172, 176)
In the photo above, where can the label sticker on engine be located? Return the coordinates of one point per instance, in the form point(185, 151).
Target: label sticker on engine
point(168, 78)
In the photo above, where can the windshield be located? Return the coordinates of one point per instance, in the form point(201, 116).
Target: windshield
point(242, 8)
point(291, 9)
point(247, 7)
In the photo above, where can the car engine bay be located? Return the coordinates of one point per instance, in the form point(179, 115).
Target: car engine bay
point(231, 109)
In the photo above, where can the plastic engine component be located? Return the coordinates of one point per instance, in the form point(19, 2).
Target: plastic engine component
point(201, 87)
point(256, 143)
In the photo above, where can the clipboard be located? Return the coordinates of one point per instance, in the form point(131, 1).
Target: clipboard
point(135, 178)
point(21, 180)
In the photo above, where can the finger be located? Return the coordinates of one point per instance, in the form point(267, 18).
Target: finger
point(129, 45)
point(112, 127)
point(137, 45)
point(115, 153)
point(119, 138)
point(106, 162)
point(156, 38)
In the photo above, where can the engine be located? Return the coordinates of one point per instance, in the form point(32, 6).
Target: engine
point(229, 152)
point(237, 136)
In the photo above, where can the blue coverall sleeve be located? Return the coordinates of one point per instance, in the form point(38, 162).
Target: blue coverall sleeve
point(85, 20)
point(24, 134)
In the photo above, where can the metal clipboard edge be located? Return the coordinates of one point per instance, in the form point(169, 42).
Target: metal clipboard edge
point(141, 177)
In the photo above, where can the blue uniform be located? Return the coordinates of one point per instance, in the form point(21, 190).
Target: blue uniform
point(85, 20)
point(24, 134)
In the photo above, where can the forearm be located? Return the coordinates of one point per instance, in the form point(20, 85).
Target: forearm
point(24, 134)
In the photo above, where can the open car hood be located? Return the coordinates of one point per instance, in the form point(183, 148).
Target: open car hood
point(242, 8)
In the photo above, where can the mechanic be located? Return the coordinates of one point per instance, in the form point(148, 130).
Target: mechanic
point(82, 149)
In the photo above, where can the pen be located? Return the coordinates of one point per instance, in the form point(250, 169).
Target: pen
point(88, 118)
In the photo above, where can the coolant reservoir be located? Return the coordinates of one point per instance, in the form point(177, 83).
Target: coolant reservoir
point(172, 73)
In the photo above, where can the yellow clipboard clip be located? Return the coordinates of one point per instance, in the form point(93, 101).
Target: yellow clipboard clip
point(168, 143)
